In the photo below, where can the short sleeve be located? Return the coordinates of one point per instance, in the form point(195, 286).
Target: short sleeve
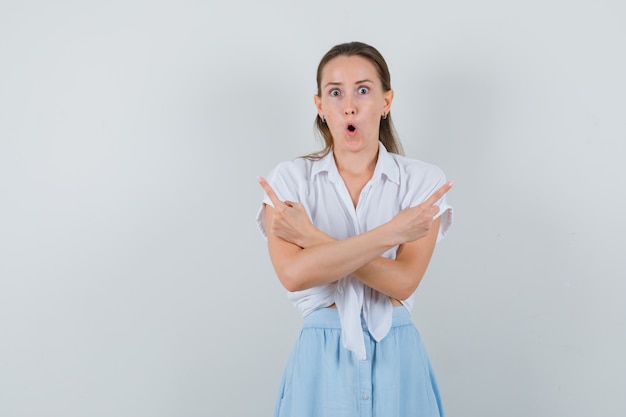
point(431, 178)
point(284, 180)
point(445, 212)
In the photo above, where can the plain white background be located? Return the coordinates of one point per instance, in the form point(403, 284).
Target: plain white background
point(133, 280)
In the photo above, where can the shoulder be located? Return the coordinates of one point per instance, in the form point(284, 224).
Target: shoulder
point(417, 170)
point(298, 169)
point(297, 165)
point(418, 180)
point(291, 179)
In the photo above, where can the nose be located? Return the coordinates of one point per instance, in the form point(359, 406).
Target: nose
point(349, 107)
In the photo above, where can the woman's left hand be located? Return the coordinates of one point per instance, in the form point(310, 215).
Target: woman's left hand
point(290, 220)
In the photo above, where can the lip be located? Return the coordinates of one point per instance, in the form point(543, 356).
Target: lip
point(353, 131)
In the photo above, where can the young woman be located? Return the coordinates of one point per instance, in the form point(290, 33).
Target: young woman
point(350, 231)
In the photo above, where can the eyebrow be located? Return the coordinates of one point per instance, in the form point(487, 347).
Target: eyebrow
point(338, 83)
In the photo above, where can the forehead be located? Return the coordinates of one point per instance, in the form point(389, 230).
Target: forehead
point(346, 69)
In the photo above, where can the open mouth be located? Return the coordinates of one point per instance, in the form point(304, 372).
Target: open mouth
point(351, 128)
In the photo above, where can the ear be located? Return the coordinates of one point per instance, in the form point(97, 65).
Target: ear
point(318, 105)
point(388, 98)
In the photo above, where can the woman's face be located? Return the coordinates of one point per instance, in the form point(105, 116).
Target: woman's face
point(352, 102)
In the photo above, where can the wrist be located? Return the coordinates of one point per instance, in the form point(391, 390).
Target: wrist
point(389, 236)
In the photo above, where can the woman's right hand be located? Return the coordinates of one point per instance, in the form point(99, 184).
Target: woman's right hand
point(291, 222)
point(413, 223)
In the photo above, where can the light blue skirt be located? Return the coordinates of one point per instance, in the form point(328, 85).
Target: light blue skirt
point(323, 379)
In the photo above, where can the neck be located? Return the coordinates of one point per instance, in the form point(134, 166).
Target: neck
point(357, 163)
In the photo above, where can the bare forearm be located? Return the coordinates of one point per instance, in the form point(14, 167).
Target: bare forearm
point(390, 277)
point(397, 278)
point(382, 274)
point(330, 259)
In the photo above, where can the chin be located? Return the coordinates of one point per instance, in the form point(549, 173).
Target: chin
point(355, 144)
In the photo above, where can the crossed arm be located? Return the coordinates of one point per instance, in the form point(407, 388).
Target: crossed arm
point(304, 257)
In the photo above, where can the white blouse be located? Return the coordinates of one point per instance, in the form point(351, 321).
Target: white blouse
point(398, 182)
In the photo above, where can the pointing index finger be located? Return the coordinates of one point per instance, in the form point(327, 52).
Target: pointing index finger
point(436, 196)
point(269, 191)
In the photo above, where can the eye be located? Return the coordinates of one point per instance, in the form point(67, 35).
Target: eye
point(364, 90)
point(335, 92)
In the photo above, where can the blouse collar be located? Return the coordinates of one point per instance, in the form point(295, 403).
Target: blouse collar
point(385, 165)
